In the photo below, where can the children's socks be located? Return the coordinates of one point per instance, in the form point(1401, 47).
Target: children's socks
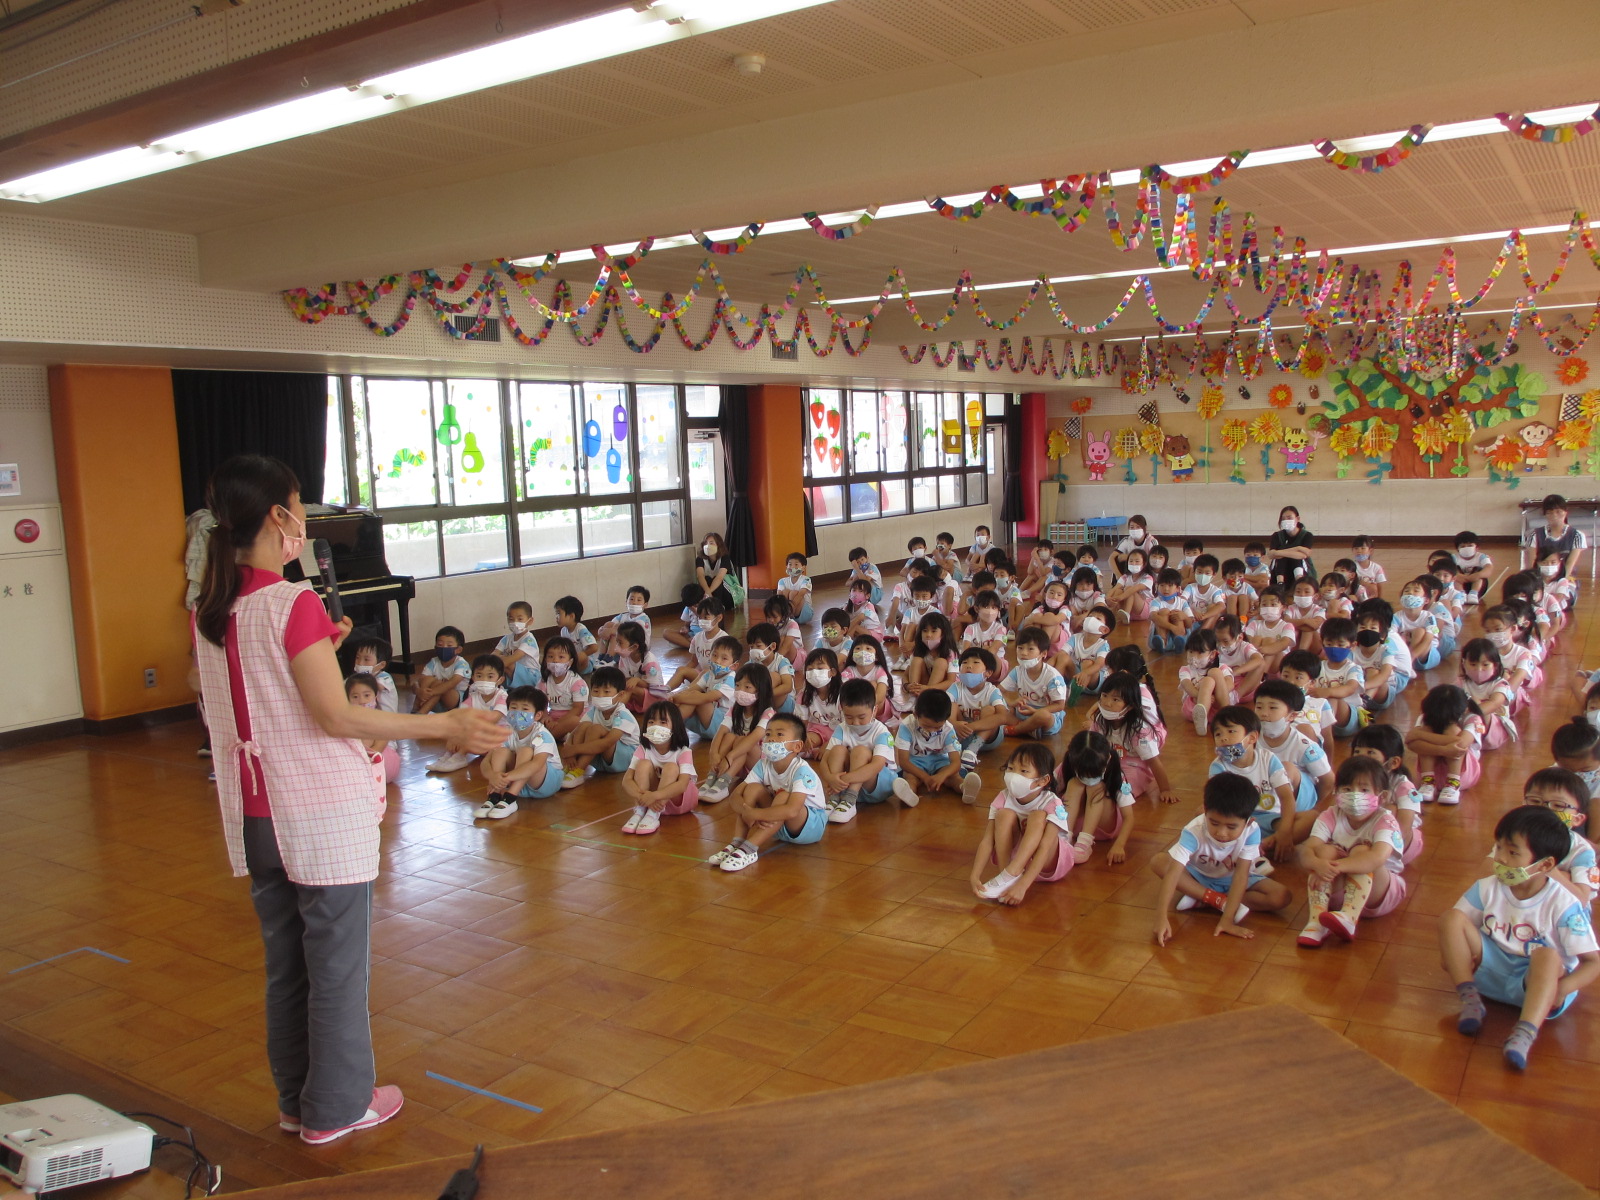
point(1473, 1009)
point(1519, 1043)
point(999, 885)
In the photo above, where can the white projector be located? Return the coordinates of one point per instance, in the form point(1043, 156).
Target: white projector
point(64, 1141)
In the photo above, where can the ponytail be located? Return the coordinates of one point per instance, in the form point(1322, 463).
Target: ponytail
point(241, 493)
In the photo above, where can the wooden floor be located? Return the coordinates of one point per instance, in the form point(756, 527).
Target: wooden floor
point(611, 981)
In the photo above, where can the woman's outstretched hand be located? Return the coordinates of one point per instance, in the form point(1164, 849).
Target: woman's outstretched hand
point(474, 730)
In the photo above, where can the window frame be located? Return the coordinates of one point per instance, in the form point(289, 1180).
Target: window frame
point(358, 468)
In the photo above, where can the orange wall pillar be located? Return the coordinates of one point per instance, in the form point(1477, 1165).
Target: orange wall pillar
point(777, 497)
point(116, 442)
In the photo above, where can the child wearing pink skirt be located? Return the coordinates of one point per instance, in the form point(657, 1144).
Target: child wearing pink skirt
point(662, 781)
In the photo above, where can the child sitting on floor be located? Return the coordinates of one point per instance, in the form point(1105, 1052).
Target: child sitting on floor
point(706, 702)
point(445, 677)
point(518, 650)
point(1519, 937)
point(1350, 855)
point(608, 736)
point(1041, 693)
point(486, 692)
point(1564, 793)
point(370, 657)
point(736, 745)
point(528, 764)
point(361, 692)
point(926, 750)
point(1027, 830)
point(980, 715)
point(858, 764)
point(1099, 801)
point(780, 799)
point(662, 780)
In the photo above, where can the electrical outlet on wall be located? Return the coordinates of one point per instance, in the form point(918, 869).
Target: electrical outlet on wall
point(149, 677)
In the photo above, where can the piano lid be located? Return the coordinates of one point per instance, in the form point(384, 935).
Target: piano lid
point(355, 535)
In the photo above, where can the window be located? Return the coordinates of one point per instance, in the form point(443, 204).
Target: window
point(870, 454)
point(484, 474)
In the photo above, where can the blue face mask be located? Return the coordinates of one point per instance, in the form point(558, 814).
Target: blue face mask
point(520, 720)
point(1232, 754)
point(1412, 601)
point(719, 672)
point(445, 653)
point(1336, 654)
point(972, 680)
point(1252, 561)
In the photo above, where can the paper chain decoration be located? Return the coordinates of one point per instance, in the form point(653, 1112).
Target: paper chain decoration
point(1535, 132)
point(1373, 164)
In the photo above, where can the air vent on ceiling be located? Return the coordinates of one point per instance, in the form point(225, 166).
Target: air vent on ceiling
point(489, 333)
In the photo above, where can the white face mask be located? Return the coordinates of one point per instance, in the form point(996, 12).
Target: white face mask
point(658, 735)
point(1107, 714)
point(603, 703)
point(760, 654)
point(516, 627)
point(1019, 785)
point(819, 677)
point(1467, 551)
point(558, 670)
point(1500, 637)
point(635, 609)
point(1203, 578)
point(981, 539)
point(1548, 570)
point(865, 658)
point(1270, 613)
point(1094, 626)
point(485, 687)
point(1275, 729)
point(744, 699)
point(365, 669)
point(1358, 805)
point(709, 549)
point(1304, 601)
point(1593, 717)
point(1288, 524)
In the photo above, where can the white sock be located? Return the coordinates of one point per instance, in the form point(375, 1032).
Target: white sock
point(1185, 903)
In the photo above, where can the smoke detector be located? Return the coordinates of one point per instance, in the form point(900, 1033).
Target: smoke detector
point(749, 64)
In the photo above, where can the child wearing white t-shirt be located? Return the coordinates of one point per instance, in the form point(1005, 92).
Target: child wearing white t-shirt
point(781, 799)
point(1027, 831)
point(1349, 855)
point(662, 781)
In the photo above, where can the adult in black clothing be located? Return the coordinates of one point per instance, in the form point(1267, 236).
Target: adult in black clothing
point(1290, 551)
point(712, 568)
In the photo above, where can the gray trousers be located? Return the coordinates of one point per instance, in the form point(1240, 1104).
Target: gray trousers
point(319, 956)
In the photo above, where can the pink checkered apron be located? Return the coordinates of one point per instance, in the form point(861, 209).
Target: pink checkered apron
point(325, 807)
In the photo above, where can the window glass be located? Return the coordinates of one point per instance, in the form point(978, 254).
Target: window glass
point(977, 488)
point(703, 402)
point(702, 471)
point(894, 497)
point(470, 458)
point(607, 529)
point(924, 493)
point(864, 501)
point(604, 441)
point(400, 421)
point(950, 429)
point(334, 487)
point(547, 444)
point(358, 392)
point(949, 491)
point(994, 404)
point(827, 505)
point(926, 415)
point(824, 434)
point(663, 523)
point(412, 549)
point(892, 431)
point(864, 457)
point(475, 544)
point(659, 438)
point(548, 536)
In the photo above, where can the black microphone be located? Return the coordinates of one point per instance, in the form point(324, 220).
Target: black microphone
point(330, 581)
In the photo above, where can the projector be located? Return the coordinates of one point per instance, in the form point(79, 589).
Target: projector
point(64, 1141)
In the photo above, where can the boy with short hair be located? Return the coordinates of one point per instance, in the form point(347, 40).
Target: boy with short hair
point(518, 649)
point(861, 567)
point(1170, 617)
point(1257, 571)
point(1039, 565)
point(1040, 690)
point(927, 750)
point(762, 639)
point(795, 587)
point(781, 798)
point(858, 762)
point(1213, 863)
point(1205, 597)
point(486, 692)
point(1270, 631)
point(1193, 548)
point(706, 702)
point(444, 679)
point(1474, 568)
point(1303, 670)
point(1342, 680)
point(1369, 571)
point(1518, 937)
point(980, 715)
point(832, 635)
point(528, 764)
point(1382, 656)
point(1239, 655)
point(1236, 733)
point(370, 657)
point(1238, 594)
point(608, 736)
point(1277, 703)
point(638, 598)
point(1564, 793)
point(569, 624)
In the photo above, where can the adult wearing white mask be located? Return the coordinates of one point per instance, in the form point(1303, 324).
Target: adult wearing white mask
point(713, 568)
point(1138, 537)
point(1290, 551)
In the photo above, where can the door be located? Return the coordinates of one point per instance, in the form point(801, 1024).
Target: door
point(708, 504)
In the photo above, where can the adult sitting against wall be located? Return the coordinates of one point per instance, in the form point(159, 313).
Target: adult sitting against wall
point(300, 803)
point(715, 573)
point(1290, 551)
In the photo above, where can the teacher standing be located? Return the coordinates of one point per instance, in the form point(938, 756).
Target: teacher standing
point(300, 804)
point(1290, 551)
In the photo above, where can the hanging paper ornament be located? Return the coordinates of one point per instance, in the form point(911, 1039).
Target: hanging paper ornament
point(818, 411)
point(591, 438)
point(619, 423)
point(406, 458)
point(613, 465)
point(471, 456)
point(1572, 370)
point(449, 427)
point(951, 440)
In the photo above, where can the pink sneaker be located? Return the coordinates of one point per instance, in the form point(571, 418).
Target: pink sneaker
point(386, 1102)
point(1341, 926)
point(287, 1123)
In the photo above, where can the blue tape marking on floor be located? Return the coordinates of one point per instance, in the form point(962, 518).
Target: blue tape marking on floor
point(467, 1087)
point(68, 954)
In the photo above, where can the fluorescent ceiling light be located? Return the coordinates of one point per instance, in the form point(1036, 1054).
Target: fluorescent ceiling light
point(589, 40)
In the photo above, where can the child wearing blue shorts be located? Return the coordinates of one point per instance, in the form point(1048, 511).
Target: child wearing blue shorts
point(706, 702)
point(1520, 937)
point(858, 761)
point(1237, 738)
point(608, 735)
point(1211, 865)
point(1040, 689)
point(927, 750)
point(781, 799)
point(528, 765)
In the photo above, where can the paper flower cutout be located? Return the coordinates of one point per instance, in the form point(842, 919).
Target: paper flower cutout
point(1589, 406)
point(1131, 383)
point(1431, 437)
point(1575, 435)
point(1506, 453)
point(1266, 429)
point(1281, 395)
point(1345, 440)
point(1380, 439)
point(1235, 434)
point(1312, 363)
point(1573, 370)
point(1211, 399)
point(1151, 439)
point(1060, 445)
point(1127, 443)
point(1083, 404)
point(1458, 426)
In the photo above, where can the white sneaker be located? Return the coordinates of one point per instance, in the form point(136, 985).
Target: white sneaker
point(571, 778)
point(842, 808)
point(1425, 792)
point(715, 790)
point(486, 808)
point(649, 822)
point(1263, 866)
point(1083, 847)
point(717, 858)
point(905, 793)
point(1449, 794)
point(446, 763)
point(738, 860)
point(970, 787)
point(507, 806)
point(631, 825)
point(969, 760)
point(998, 886)
point(1202, 719)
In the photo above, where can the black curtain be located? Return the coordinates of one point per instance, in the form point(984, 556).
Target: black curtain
point(223, 413)
point(1012, 508)
point(734, 423)
point(811, 526)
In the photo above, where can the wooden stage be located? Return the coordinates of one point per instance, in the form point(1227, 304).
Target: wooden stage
point(1214, 1106)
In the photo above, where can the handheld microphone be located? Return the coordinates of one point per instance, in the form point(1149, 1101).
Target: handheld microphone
point(330, 581)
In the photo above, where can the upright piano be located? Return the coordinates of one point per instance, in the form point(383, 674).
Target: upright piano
point(355, 536)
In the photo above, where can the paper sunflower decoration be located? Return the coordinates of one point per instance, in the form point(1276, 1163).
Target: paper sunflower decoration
point(1211, 400)
point(1312, 363)
point(1151, 439)
point(1083, 404)
point(1266, 430)
point(1589, 406)
point(1059, 445)
point(1235, 434)
point(1458, 426)
point(1126, 444)
point(1281, 395)
point(1345, 440)
point(1379, 440)
point(1431, 437)
point(1575, 435)
point(1573, 370)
